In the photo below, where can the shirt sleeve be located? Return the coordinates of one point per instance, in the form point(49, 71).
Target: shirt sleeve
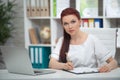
point(101, 51)
point(56, 51)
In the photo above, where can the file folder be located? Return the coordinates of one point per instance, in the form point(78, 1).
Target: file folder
point(39, 56)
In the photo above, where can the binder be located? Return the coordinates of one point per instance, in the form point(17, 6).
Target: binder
point(85, 23)
point(46, 5)
point(33, 8)
point(28, 8)
point(32, 55)
point(98, 23)
point(42, 10)
point(39, 56)
point(38, 8)
point(54, 8)
point(36, 55)
point(91, 23)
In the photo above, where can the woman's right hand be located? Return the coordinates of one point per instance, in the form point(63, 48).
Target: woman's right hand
point(54, 64)
point(68, 66)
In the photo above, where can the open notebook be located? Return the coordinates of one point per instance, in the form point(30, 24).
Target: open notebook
point(83, 70)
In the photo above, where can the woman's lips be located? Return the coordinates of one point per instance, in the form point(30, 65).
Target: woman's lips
point(71, 31)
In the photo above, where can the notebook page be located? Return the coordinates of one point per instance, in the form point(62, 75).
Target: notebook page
point(81, 70)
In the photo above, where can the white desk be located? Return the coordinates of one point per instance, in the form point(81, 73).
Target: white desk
point(62, 75)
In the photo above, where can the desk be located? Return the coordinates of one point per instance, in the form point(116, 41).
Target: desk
point(62, 75)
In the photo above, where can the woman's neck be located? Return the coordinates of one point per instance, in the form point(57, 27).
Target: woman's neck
point(79, 38)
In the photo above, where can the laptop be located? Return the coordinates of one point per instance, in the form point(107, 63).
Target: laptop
point(17, 61)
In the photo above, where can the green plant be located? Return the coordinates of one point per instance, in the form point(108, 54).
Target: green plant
point(6, 16)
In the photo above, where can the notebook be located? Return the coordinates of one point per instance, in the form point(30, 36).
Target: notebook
point(83, 70)
point(17, 61)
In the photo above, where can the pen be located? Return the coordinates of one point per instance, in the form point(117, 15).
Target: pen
point(69, 62)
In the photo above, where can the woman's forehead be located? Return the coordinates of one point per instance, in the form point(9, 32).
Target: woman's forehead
point(69, 17)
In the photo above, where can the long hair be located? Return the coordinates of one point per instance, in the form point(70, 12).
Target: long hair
point(66, 36)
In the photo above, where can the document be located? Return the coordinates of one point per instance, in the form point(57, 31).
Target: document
point(84, 70)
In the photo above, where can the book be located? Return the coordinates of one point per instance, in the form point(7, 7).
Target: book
point(89, 8)
point(33, 36)
point(83, 70)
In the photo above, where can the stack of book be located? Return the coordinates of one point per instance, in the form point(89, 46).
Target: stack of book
point(92, 23)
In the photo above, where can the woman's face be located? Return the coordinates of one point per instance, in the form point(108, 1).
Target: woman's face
point(71, 24)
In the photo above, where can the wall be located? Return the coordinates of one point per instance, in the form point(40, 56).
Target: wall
point(18, 34)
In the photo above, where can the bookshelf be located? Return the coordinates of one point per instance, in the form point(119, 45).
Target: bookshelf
point(47, 14)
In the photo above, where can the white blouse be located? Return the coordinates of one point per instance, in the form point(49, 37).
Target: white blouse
point(89, 54)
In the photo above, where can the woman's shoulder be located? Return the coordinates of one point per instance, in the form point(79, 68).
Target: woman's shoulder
point(60, 39)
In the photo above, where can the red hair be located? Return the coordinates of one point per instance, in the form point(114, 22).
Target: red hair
point(66, 40)
point(70, 11)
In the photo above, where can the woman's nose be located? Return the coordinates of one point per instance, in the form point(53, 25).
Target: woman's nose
point(70, 25)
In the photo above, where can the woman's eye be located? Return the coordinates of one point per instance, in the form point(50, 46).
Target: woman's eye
point(65, 24)
point(73, 22)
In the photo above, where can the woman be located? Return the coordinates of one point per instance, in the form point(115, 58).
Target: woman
point(79, 49)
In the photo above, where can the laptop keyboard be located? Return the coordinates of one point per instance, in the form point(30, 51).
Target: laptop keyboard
point(37, 71)
point(44, 71)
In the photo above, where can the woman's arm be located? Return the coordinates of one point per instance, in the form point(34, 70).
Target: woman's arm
point(111, 64)
point(58, 65)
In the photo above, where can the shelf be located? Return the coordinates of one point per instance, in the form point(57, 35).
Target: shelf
point(112, 17)
point(44, 45)
point(38, 17)
point(53, 21)
point(99, 17)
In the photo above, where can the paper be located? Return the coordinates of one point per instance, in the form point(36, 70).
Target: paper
point(83, 70)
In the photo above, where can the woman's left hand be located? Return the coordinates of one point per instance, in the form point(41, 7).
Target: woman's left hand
point(105, 68)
